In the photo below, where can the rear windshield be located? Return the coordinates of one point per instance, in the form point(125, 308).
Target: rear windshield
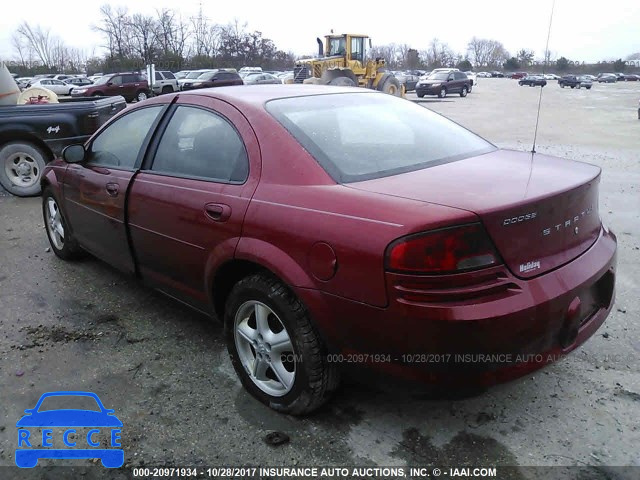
point(360, 136)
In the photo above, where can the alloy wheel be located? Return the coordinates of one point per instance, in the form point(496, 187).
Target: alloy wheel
point(265, 349)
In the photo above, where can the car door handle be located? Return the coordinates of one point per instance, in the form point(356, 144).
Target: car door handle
point(218, 212)
point(112, 189)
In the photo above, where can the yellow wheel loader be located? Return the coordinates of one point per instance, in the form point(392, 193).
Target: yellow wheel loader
point(346, 64)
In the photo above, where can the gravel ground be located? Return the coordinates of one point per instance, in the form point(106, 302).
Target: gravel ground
point(164, 368)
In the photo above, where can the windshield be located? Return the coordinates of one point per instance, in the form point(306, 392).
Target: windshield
point(194, 75)
point(439, 76)
point(67, 402)
point(337, 46)
point(102, 80)
point(360, 136)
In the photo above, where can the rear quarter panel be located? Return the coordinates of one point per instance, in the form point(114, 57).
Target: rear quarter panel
point(297, 205)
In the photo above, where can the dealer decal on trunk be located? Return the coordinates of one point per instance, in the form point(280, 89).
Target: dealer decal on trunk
point(527, 267)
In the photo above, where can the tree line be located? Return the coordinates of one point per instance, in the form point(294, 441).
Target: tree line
point(133, 40)
point(489, 54)
point(173, 42)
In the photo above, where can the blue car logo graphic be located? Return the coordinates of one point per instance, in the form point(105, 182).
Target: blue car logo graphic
point(74, 430)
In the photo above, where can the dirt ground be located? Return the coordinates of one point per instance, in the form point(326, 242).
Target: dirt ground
point(165, 371)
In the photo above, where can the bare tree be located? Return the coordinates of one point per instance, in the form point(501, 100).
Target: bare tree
point(114, 25)
point(172, 33)
point(22, 49)
point(484, 52)
point(142, 38)
point(39, 41)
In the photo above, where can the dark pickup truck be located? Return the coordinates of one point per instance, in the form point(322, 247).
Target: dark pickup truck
point(33, 135)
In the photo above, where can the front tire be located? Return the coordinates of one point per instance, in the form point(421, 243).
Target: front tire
point(62, 242)
point(275, 349)
point(442, 93)
point(342, 82)
point(21, 166)
point(391, 86)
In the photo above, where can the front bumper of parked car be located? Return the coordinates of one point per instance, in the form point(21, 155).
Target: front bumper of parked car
point(499, 328)
point(428, 88)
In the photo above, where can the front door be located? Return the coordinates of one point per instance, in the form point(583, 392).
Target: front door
point(96, 189)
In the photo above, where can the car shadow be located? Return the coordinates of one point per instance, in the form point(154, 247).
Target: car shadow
point(430, 100)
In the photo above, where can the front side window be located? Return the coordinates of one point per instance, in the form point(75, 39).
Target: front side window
point(117, 80)
point(118, 145)
point(360, 136)
point(199, 143)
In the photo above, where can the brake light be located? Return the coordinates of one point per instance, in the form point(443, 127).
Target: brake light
point(448, 250)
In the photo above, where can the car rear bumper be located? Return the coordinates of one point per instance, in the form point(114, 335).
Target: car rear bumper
point(484, 332)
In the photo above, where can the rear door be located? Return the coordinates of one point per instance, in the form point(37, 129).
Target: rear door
point(95, 190)
point(130, 84)
point(187, 205)
point(460, 80)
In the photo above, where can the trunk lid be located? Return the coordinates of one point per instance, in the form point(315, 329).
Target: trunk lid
point(540, 211)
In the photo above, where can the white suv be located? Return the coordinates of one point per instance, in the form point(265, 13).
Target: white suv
point(164, 82)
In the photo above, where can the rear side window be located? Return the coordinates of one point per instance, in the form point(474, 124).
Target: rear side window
point(199, 143)
point(169, 75)
point(118, 144)
point(460, 75)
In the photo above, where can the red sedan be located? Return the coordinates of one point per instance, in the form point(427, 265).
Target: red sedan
point(328, 226)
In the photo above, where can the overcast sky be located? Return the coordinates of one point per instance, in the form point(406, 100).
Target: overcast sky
point(581, 30)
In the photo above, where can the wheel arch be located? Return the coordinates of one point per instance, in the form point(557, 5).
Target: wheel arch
point(16, 135)
point(253, 256)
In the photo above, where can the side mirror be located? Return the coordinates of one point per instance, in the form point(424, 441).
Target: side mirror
point(370, 44)
point(74, 153)
point(109, 84)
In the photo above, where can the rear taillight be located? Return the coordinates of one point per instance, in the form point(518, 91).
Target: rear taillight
point(448, 250)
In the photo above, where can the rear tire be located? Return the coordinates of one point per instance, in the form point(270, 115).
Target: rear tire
point(167, 89)
point(141, 95)
point(391, 86)
point(463, 92)
point(21, 166)
point(304, 379)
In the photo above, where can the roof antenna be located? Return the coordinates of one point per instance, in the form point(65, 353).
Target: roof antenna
point(546, 60)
